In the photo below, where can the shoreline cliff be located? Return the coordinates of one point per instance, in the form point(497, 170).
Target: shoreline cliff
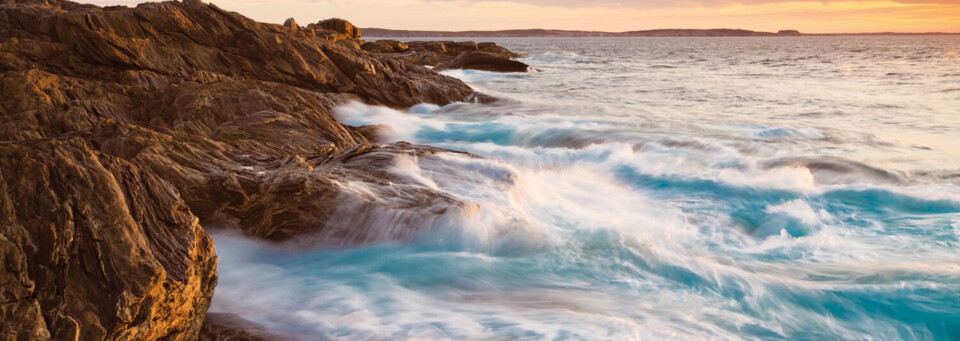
point(124, 131)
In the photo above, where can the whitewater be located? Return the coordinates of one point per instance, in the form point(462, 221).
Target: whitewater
point(653, 188)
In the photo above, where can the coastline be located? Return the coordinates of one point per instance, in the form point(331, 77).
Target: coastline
point(129, 131)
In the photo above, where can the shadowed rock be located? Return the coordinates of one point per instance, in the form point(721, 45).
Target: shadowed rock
point(231, 327)
point(487, 56)
point(477, 60)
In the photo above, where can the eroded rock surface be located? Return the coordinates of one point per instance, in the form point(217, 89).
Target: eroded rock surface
point(94, 247)
point(123, 130)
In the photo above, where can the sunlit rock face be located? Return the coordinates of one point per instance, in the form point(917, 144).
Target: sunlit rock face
point(123, 130)
point(96, 248)
point(235, 114)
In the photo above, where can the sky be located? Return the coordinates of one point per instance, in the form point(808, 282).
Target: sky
point(808, 16)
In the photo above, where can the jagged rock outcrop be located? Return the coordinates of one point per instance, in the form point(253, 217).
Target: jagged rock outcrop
point(120, 127)
point(93, 247)
point(199, 104)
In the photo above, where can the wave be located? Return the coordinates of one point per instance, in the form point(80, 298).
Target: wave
point(653, 215)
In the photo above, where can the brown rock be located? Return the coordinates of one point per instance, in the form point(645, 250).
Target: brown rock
point(438, 53)
point(428, 46)
point(291, 24)
point(376, 47)
point(465, 46)
point(484, 61)
point(119, 127)
point(396, 45)
point(96, 248)
point(231, 327)
point(340, 29)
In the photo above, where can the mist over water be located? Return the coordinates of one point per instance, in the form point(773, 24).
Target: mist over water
point(638, 188)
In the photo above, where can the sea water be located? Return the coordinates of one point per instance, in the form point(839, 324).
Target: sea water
point(657, 188)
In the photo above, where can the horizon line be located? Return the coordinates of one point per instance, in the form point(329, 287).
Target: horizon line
point(668, 29)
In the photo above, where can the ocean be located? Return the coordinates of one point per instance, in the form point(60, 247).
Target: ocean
point(785, 188)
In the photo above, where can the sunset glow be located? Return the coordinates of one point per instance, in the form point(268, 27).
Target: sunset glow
point(603, 15)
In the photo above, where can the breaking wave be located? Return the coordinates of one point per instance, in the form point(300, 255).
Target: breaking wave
point(614, 219)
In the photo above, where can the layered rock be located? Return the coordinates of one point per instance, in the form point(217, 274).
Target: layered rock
point(199, 106)
point(94, 247)
point(122, 128)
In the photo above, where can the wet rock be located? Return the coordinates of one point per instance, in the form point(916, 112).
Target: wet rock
point(231, 327)
point(484, 61)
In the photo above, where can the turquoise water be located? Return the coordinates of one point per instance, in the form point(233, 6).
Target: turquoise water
point(716, 188)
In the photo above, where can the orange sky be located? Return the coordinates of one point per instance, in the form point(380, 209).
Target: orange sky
point(824, 16)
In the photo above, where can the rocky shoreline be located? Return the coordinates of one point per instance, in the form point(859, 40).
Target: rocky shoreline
point(125, 131)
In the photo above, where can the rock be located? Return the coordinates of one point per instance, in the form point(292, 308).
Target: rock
point(484, 61)
point(465, 46)
point(340, 29)
point(439, 53)
point(121, 127)
point(376, 47)
point(96, 248)
point(428, 46)
point(396, 45)
point(291, 24)
point(231, 327)
point(349, 43)
point(385, 46)
point(488, 45)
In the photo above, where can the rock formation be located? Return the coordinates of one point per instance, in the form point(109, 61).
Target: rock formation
point(487, 56)
point(94, 247)
point(477, 60)
point(291, 24)
point(123, 130)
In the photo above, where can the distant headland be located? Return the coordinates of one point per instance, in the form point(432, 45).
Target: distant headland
point(724, 32)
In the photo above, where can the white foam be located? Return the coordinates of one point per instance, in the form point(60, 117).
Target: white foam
point(801, 210)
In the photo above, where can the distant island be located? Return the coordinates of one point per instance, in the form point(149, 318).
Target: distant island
point(723, 32)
